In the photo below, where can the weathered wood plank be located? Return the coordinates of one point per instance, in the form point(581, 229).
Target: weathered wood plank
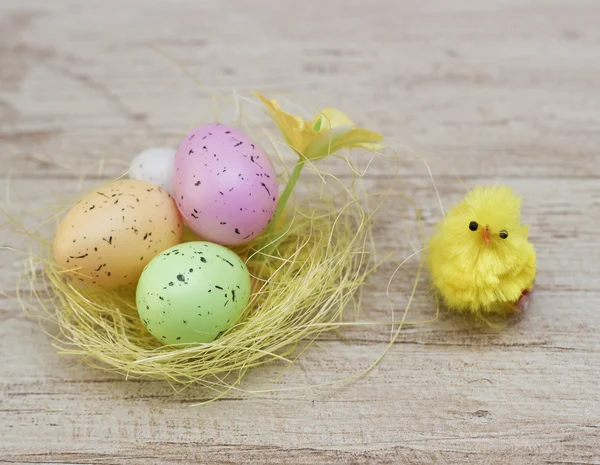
point(475, 88)
point(563, 216)
point(432, 398)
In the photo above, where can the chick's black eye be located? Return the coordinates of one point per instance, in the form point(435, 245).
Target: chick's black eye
point(503, 234)
point(473, 225)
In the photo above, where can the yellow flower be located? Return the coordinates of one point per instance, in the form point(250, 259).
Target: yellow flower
point(330, 131)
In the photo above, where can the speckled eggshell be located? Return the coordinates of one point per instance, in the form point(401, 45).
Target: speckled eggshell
point(112, 233)
point(154, 165)
point(192, 293)
point(224, 185)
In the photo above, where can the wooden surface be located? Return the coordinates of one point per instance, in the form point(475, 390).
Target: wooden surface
point(498, 90)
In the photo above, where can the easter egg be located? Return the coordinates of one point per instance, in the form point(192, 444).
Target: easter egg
point(192, 293)
point(224, 185)
point(112, 233)
point(155, 166)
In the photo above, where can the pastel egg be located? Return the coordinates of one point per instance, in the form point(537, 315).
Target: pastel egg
point(224, 185)
point(112, 233)
point(155, 166)
point(192, 293)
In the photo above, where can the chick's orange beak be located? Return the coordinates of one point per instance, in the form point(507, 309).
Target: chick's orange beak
point(486, 236)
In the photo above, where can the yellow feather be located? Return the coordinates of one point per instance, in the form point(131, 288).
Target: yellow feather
point(471, 275)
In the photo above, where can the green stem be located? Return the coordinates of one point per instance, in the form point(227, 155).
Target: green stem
point(287, 191)
point(283, 200)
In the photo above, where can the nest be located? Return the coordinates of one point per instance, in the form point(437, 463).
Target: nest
point(300, 292)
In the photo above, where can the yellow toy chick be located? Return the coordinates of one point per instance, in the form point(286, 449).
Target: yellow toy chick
point(479, 259)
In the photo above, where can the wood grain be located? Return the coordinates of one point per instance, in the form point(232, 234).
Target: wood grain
point(502, 90)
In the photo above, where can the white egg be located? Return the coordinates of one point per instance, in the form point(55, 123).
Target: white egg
point(155, 166)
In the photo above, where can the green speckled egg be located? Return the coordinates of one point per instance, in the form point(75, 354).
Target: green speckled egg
point(192, 293)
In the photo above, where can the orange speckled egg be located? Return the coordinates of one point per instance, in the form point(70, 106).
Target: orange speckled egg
point(112, 233)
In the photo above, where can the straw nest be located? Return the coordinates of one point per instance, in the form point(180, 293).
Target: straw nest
point(298, 293)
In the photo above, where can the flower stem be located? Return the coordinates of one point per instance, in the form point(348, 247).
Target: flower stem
point(288, 191)
point(283, 200)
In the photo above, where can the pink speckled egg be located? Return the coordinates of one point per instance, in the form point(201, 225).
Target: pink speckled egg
point(224, 185)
